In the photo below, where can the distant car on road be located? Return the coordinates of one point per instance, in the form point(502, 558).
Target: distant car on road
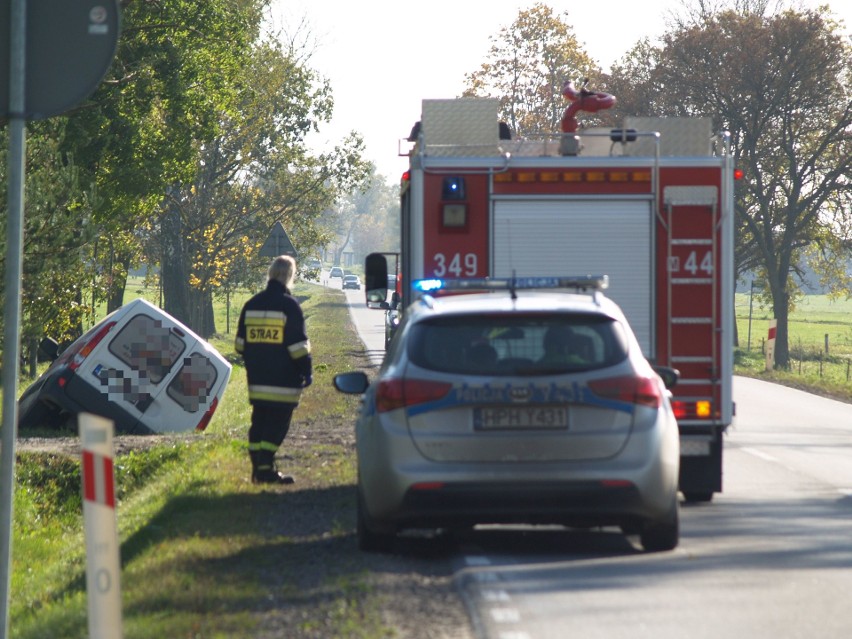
point(352, 281)
point(516, 406)
point(335, 271)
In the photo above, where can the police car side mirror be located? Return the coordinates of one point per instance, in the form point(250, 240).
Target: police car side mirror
point(354, 383)
point(668, 375)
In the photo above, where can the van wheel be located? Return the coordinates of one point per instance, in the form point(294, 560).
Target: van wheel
point(40, 415)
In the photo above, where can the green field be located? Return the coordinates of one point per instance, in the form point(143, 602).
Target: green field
point(820, 342)
point(815, 320)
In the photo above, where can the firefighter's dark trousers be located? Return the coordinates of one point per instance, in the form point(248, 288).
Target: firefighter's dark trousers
point(269, 426)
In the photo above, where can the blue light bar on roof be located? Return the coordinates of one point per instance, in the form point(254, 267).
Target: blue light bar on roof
point(584, 282)
point(427, 286)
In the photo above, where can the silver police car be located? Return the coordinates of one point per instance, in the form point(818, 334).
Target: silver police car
point(530, 403)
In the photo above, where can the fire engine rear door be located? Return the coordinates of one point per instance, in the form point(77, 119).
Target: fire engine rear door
point(582, 236)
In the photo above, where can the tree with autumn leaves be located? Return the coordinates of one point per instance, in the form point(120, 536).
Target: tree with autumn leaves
point(526, 66)
point(778, 81)
point(182, 160)
point(257, 171)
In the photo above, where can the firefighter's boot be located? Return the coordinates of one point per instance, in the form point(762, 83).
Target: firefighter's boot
point(263, 469)
point(254, 462)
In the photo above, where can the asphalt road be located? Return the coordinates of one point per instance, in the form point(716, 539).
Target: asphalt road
point(770, 557)
point(370, 323)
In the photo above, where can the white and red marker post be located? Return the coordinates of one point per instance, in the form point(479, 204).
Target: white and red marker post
point(770, 345)
point(102, 551)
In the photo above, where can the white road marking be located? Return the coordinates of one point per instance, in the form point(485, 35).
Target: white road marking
point(505, 615)
point(759, 454)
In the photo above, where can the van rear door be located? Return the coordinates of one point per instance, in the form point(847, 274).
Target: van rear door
point(154, 374)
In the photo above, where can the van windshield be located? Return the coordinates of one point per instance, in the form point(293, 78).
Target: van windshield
point(147, 346)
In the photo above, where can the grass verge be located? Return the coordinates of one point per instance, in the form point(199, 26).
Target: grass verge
point(204, 552)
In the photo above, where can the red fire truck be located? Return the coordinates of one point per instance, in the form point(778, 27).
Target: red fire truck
point(649, 204)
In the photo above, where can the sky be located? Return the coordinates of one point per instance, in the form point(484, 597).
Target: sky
point(383, 57)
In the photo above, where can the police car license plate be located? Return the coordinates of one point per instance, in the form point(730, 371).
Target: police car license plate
point(520, 417)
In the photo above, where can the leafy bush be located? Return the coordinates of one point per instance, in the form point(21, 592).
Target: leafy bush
point(52, 482)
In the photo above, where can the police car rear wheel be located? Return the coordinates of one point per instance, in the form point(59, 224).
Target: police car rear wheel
point(370, 540)
point(662, 534)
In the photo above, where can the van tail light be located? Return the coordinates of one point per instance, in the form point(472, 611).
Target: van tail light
point(89, 346)
point(208, 415)
point(644, 391)
point(400, 393)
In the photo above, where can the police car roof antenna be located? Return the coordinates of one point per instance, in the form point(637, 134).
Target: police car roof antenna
point(512, 287)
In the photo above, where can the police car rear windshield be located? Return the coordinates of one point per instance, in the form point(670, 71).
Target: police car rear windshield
point(517, 344)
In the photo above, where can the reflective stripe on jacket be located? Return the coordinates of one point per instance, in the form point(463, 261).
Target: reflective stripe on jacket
point(276, 350)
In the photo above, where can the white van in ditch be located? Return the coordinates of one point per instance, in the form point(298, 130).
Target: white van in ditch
point(139, 367)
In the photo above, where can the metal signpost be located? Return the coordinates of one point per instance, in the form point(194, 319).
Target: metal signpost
point(103, 561)
point(58, 52)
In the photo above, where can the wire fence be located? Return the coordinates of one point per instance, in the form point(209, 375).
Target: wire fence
point(819, 337)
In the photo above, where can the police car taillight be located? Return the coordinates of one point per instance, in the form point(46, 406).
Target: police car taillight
point(400, 393)
point(88, 347)
point(644, 391)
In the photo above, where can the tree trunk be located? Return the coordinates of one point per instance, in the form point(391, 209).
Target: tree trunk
point(118, 282)
point(31, 357)
point(338, 253)
point(173, 275)
point(78, 326)
point(201, 318)
point(781, 305)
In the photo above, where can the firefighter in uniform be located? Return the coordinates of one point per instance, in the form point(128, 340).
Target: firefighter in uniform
point(272, 339)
